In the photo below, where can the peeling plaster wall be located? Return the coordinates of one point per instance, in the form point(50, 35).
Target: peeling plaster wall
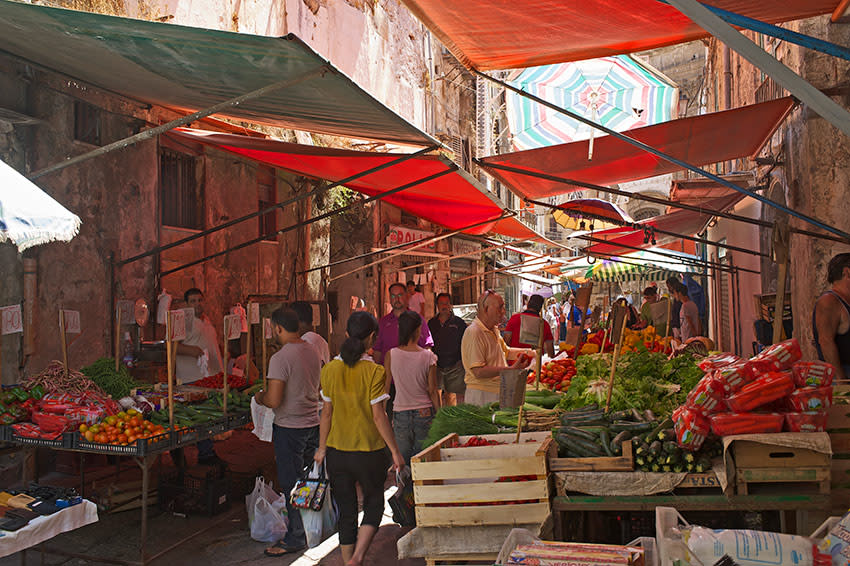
point(816, 172)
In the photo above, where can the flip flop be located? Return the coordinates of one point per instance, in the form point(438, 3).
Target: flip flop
point(283, 548)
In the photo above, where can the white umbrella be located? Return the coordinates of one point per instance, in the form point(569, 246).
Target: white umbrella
point(29, 216)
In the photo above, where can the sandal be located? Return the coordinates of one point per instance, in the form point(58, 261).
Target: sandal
point(279, 549)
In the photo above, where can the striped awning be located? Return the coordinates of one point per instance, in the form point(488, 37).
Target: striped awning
point(616, 271)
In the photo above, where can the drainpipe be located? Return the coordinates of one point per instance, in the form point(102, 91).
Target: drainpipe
point(727, 90)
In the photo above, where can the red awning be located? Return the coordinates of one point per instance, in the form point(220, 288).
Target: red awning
point(622, 241)
point(454, 200)
point(698, 140)
point(509, 34)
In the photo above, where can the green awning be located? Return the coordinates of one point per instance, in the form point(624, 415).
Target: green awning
point(194, 68)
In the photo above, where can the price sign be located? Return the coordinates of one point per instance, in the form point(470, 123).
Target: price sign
point(178, 325)
point(11, 319)
point(72, 322)
point(125, 311)
point(253, 313)
point(232, 326)
point(267, 328)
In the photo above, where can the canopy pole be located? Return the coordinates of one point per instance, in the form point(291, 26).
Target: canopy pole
point(425, 242)
point(333, 212)
point(647, 198)
point(660, 231)
point(182, 121)
point(759, 26)
point(274, 207)
point(796, 85)
point(506, 268)
point(674, 160)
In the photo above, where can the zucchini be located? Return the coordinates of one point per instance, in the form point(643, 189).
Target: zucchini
point(649, 415)
point(581, 449)
point(618, 426)
point(670, 447)
point(620, 415)
point(622, 436)
point(655, 448)
point(636, 416)
point(689, 457)
point(573, 431)
point(605, 442)
point(665, 424)
point(666, 468)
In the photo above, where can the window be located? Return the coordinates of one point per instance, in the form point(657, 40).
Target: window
point(86, 123)
point(181, 194)
point(267, 196)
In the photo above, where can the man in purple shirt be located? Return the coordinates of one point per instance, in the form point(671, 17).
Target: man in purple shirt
point(388, 325)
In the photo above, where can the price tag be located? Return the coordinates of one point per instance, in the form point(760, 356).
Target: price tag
point(190, 319)
point(125, 311)
point(253, 313)
point(267, 328)
point(233, 326)
point(72, 322)
point(178, 325)
point(12, 319)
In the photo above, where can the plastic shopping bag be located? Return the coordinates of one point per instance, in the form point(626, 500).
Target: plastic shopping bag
point(309, 491)
point(263, 418)
point(401, 502)
point(319, 525)
point(267, 518)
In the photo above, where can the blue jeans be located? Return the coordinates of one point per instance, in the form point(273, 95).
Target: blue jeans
point(562, 331)
point(411, 428)
point(293, 450)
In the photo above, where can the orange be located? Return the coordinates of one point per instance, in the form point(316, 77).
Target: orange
point(89, 435)
point(122, 438)
point(83, 428)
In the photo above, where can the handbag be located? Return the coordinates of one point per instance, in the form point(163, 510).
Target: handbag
point(309, 491)
point(401, 502)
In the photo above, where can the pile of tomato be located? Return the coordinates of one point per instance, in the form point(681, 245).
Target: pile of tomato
point(122, 429)
point(557, 374)
point(479, 441)
point(217, 381)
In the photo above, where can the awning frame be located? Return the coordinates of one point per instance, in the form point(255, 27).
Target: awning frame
point(670, 158)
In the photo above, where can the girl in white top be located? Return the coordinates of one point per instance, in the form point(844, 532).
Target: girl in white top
point(414, 372)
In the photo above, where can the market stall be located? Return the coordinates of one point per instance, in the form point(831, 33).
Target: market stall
point(706, 433)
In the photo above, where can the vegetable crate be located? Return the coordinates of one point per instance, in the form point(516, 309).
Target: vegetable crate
point(838, 427)
point(203, 490)
point(235, 420)
point(452, 559)
point(141, 447)
point(184, 436)
point(779, 466)
point(503, 484)
point(65, 441)
point(624, 463)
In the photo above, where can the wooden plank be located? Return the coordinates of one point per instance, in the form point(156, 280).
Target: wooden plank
point(700, 481)
point(756, 455)
point(838, 416)
point(481, 492)
point(432, 453)
point(778, 502)
point(468, 469)
point(489, 452)
point(482, 515)
point(840, 442)
point(525, 437)
point(458, 558)
point(624, 463)
point(768, 475)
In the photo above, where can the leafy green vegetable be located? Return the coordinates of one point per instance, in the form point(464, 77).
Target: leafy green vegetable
point(115, 384)
point(462, 419)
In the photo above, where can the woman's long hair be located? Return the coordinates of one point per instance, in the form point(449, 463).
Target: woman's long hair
point(408, 322)
point(361, 325)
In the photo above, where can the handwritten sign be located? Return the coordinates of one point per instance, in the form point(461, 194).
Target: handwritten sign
point(267, 328)
point(253, 313)
point(125, 311)
point(72, 322)
point(12, 321)
point(232, 326)
point(178, 325)
point(190, 319)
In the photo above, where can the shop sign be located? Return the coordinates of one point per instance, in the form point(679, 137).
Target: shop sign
point(12, 319)
point(72, 322)
point(178, 325)
point(402, 235)
point(232, 326)
point(461, 246)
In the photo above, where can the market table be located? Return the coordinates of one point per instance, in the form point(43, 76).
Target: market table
point(45, 528)
point(713, 502)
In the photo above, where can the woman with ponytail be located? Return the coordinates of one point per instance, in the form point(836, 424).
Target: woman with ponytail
point(354, 434)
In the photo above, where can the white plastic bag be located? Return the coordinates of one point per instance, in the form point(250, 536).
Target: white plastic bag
point(319, 525)
point(267, 518)
point(263, 418)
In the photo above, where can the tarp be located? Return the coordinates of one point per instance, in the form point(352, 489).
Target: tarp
point(193, 68)
point(510, 34)
point(698, 140)
point(454, 200)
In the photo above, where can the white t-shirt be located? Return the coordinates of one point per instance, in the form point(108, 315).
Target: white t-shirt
point(417, 303)
point(203, 336)
point(320, 344)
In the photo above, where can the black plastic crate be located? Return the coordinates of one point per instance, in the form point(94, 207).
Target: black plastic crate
point(235, 420)
point(185, 436)
point(203, 490)
point(65, 441)
point(141, 447)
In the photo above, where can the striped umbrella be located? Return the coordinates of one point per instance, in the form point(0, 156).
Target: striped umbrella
point(590, 214)
point(618, 92)
point(613, 270)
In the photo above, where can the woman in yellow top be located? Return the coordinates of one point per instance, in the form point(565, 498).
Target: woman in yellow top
point(354, 434)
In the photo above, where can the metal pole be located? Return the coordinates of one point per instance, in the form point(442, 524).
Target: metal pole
point(274, 207)
point(654, 200)
point(310, 221)
point(674, 160)
point(796, 85)
point(427, 240)
point(153, 132)
point(501, 269)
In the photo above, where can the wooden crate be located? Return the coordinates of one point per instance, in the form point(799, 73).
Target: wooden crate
point(445, 475)
point(624, 463)
point(838, 427)
point(757, 463)
point(457, 559)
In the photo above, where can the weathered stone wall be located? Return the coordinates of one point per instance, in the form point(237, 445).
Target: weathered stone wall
point(816, 162)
